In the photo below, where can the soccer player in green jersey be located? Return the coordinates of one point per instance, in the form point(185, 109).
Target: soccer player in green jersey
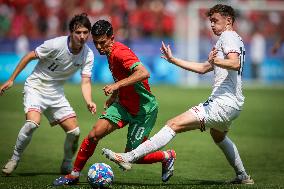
point(222, 107)
point(130, 103)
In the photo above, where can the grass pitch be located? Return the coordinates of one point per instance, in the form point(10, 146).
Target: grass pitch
point(258, 134)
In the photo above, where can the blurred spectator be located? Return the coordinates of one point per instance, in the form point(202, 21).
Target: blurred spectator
point(5, 20)
point(132, 19)
point(47, 18)
point(19, 23)
point(279, 38)
point(257, 53)
point(22, 45)
point(277, 44)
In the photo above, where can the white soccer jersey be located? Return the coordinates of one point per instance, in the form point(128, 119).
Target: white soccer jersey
point(57, 64)
point(227, 88)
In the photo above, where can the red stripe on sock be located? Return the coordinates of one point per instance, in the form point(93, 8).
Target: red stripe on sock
point(86, 150)
point(154, 157)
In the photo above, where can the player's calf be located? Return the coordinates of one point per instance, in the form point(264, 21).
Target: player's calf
point(66, 167)
point(23, 139)
point(70, 148)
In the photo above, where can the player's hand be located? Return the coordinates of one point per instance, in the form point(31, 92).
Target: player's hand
point(92, 107)
point(109, 102)
point(7, 85)
point(109, 89)
point(212, 55)
point(166, 52)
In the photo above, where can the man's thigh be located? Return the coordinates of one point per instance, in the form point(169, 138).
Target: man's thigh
point(60, 110)
point(140, 128)
point(117, 115)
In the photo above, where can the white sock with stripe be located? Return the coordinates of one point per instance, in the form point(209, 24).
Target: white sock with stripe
point(71, 144)
point(23, 139)
point(159, 140)
point(231, 152)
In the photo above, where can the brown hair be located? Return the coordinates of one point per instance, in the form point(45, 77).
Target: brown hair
point(223, 10)
point(80, 20)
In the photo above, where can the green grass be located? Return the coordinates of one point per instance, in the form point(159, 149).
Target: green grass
point(258, 134)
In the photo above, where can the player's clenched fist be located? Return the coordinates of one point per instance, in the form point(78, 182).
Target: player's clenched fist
point(109, 89)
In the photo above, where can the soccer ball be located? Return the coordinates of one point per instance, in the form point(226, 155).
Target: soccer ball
point(100, 175)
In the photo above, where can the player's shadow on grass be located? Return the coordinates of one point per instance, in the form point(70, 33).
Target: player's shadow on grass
point(205, 182)
point(31, 174)
point(173, 183)
point(163, 185)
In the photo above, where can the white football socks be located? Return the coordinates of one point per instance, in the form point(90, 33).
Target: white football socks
point(23, 139)
point(159, 140)
point(231, 152)
point(71, 144)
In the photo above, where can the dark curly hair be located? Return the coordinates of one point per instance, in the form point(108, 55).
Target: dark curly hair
point(223, 10)
point(80, 20)
point(102, 27)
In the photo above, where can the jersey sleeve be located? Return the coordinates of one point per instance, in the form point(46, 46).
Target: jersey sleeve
point(230, 44)
point(87, 67)
point(46, 50)
point(128, 59)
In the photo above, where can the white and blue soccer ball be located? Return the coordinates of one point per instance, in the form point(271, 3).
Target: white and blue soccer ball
point(100, 175)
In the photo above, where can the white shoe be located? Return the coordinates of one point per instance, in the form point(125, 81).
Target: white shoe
point(66, 167)
point(242, 179)
point(118, 159)
point(10, 166)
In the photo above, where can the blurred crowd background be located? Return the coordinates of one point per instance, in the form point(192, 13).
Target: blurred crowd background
point(48, 18)
point(142, 24)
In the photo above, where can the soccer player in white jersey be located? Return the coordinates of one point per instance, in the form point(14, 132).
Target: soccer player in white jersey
point(219, 110)
point(58, 60)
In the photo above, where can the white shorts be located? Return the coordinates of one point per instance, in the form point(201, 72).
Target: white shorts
point(56, 108)
point(214, 115)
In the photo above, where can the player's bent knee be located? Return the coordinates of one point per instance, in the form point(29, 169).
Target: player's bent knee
point(29, 127)
point(74, 132)
point(93, 136)
point(217, 136)
point(32, 122)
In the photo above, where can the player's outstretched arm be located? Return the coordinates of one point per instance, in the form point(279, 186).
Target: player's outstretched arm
point(200, 68)
point(139, 73)
point(86, 86)
point(22, 64)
